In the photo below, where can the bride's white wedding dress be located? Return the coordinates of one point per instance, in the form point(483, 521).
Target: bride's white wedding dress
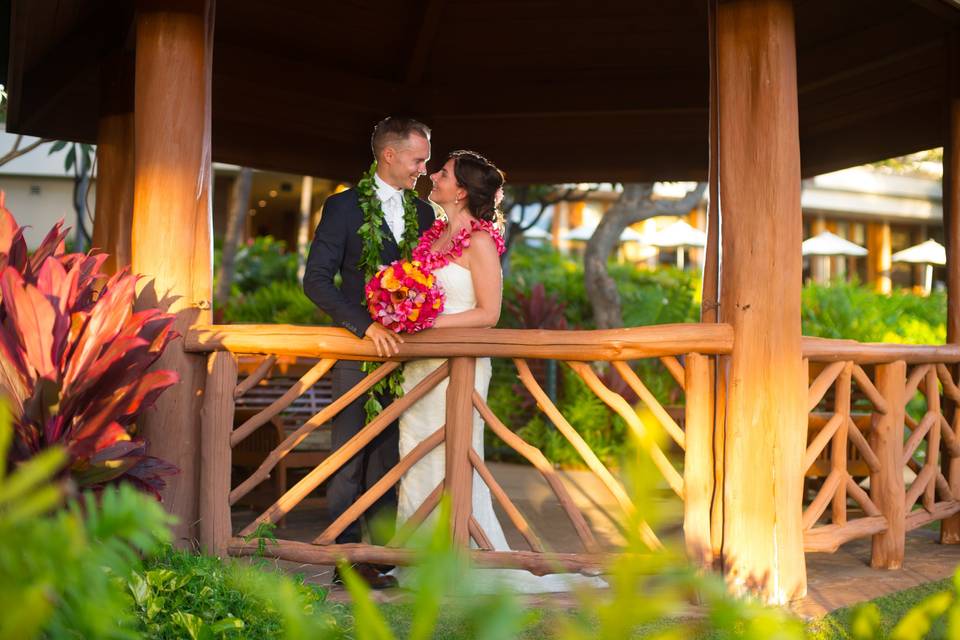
point(425, 417)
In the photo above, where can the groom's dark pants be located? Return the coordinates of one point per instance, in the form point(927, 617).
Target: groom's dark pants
point(364, 469)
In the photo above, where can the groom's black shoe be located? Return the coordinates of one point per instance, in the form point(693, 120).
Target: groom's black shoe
point(370, 575)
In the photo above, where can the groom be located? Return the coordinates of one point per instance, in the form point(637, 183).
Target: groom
point(401, 147)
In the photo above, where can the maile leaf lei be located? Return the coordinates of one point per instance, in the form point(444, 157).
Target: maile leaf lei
point(370, 262)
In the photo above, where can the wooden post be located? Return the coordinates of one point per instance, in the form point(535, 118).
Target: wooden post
point(887, 489)
point(113, 217)
point(879, 255)
point(458, 482)
point(215, 454)
point(171, 243)
point(950, 527)
point(838, 444)
point(709, 298)
point(698, 458)
point(765, 419)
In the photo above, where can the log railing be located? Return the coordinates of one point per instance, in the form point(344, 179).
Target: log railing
point(907, 463)
point(685, 350)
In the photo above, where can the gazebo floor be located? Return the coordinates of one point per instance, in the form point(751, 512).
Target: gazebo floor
point(834, 580)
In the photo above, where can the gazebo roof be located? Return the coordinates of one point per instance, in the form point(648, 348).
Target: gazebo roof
point(564, 91)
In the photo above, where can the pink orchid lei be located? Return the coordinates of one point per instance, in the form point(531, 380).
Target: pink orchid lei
point(432, 260)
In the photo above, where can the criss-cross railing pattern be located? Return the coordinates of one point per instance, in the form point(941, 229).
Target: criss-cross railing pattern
point(898, 439)
point(930, 438)
point(685, 350)
point(836, 442)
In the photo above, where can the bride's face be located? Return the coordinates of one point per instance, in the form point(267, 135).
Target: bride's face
point(445, 187)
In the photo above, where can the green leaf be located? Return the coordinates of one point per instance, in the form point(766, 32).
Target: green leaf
point(225, 625)
point(31, 474)
point(139, 589)
point(71, 159)
point(57, 146)
point(370, 623)
point(865, 621)
point(918, 621)
point(194, 625)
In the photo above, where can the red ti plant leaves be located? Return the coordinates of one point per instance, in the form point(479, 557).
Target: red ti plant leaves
point(33, 319)
point(76, 360)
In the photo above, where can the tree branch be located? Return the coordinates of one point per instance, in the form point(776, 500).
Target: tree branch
point(16, 151)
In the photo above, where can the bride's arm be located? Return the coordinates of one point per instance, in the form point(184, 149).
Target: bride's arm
point(484, 264)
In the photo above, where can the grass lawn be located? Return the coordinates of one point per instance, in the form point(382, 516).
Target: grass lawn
point(543, 624)
point(892, 608)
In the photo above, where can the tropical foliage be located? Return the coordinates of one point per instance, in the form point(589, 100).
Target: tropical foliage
point(76, 358)
point(265, 288)
point(61, 569)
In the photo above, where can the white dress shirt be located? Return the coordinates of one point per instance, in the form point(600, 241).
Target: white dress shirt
point(391, 201)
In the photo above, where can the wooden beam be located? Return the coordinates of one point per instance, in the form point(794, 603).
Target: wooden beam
point(950, 527)
point(612, 344)
point(765, 422)
point(171, 242)
point(458, 434)
point(217, 419)
point(113, 218)
point(429, 23)
point(886, 485)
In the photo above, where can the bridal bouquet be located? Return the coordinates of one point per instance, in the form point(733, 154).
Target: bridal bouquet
point(404, 297)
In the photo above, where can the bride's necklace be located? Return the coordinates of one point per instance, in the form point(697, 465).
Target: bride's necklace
point(433, 260)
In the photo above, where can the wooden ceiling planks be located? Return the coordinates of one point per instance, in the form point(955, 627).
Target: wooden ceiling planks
point(609, 90)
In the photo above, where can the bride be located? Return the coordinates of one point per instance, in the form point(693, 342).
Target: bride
point(463, 253)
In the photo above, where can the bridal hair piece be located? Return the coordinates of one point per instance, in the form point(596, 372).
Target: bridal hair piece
point(483, 182)
point(393, 130)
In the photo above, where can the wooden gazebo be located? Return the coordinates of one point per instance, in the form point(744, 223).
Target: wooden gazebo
point(752, 94)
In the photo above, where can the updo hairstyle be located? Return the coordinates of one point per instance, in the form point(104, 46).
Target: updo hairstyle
point(482, 181)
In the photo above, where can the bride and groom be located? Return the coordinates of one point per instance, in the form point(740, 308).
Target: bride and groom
point(465, 253)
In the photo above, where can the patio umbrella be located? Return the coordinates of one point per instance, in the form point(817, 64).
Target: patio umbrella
point(678, 235)
point(830, 244)
point(585, 231)
point(927, 253)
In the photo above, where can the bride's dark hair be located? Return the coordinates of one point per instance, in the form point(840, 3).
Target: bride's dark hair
point(483, 182)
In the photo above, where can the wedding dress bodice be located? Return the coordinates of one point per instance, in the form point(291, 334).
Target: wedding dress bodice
point(457, 284)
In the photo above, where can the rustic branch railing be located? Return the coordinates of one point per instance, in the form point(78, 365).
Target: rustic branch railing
point(898, 455)
point(696, 344)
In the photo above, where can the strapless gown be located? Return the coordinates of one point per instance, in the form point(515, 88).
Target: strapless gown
point(424, 418)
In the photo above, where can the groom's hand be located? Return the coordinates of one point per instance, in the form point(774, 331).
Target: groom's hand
point(386, 342)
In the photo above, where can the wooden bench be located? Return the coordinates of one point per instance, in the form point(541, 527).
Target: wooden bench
point(249, 454)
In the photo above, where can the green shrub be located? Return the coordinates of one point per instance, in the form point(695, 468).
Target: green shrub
point(61, 569)
point(179, 594)
point(260, 262)
point(275, 303)
point(855, 312)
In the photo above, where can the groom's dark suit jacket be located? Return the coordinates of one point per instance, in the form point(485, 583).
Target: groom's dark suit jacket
point(336, 248)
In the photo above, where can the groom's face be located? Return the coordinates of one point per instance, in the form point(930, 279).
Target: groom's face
point(409, 161)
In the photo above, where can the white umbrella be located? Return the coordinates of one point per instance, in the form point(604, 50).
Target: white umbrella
point(585, 231)
point(830, 244)
point(929, 253)
point(678, 235)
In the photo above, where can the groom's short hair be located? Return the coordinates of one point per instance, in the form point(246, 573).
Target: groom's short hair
point(393, 130)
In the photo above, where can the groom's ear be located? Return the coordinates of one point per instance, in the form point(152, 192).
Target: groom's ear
point(388, 154)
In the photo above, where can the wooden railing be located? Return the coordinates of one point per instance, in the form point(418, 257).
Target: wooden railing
point(872, 437)
point(685, 350)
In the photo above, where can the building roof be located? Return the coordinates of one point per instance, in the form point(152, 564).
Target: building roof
point(553, 92)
